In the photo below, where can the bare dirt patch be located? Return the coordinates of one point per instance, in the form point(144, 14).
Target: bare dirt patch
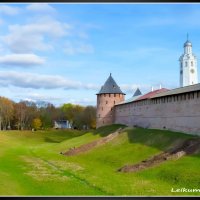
point(188, 147)
point(91, 145)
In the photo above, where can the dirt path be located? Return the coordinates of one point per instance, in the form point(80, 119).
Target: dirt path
point(91, 145)
point(188, 147)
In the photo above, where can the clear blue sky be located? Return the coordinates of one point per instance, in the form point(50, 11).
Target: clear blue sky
point(64, 53)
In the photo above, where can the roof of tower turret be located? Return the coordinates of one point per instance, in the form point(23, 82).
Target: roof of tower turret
point(137, 92)
point(110, 87)
point(187, 43)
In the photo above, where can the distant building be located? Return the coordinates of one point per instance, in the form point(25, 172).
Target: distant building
point(61, 124)
point(188, 66)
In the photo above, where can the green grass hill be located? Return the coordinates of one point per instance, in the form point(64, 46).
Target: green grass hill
point(31, 164)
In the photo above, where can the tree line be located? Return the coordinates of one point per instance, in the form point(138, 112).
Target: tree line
point(27, 115)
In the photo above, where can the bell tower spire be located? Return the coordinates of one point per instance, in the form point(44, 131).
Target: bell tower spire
point(188, 66)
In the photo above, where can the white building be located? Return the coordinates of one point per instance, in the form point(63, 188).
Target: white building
point(188, 66)
point(61, 124)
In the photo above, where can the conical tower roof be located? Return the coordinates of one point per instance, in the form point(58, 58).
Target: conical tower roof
point(137, 92)
point(110, 87)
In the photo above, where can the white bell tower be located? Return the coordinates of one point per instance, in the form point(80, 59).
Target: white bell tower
point(188, 66)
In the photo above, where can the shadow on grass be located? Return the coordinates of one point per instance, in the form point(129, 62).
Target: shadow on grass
point(51, 140)
point(160, 139)
point(106, 130)
point(58, 136)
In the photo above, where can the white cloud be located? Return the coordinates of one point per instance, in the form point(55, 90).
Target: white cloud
point(41, 97)
point(21, 60)
point(77, 48)
point(9, 10)
point(37, 81)
point(83, 101)
point(41, 7)
point(35, 36)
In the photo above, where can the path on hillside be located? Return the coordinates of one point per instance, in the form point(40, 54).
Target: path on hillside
point(91, 145)
point(188, 147)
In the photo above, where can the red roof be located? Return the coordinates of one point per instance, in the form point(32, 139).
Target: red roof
point(152, 94)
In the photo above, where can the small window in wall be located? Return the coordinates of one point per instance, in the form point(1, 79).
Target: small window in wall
point(111, 109)
point(114, 95)
point(192, 63)
point(109, 95)
point(114, 102)
point(104, 95)
point(106, 102)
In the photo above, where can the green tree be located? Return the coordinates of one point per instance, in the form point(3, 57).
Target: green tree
point(68, 113)
point(47, 115)
point(72, 113)
point(89, 115)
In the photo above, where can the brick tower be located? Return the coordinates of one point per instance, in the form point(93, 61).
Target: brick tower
point(109, 95)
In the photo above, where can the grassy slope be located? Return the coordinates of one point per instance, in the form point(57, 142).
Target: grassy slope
point(31, 164)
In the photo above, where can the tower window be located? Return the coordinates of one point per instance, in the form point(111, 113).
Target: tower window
point(192, 64)
point(106, 102)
